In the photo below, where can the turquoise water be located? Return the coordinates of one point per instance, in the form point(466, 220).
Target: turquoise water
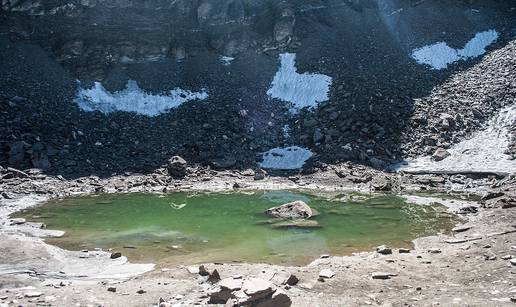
point(192, 228)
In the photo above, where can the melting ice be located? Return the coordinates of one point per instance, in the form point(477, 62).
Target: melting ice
point(439, 55)
point(287, 158)
point(302, 90)
point(133, 99)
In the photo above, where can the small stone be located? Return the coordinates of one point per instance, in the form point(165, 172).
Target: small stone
point(17, 221)
point(326, 273)
point(325, 256)
point(257, 287)
point(461, 228)
point(513, 261)
point(231, 284)
point(260, 174)
point(403, 250)
point(193, 269)
point(383, 275)
point(115, 255)
point(292, 280)
point(278, 299)
point(507, 257)
point(111, 289)
point(440, 154)
point(141, 291)
point(214, 277)
point(434, 251)
point(203, 271)
point(33, 294)
point(384, 250)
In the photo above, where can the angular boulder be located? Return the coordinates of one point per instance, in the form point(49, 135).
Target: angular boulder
point(294, 210)
point(177, 166)
point(440, 154)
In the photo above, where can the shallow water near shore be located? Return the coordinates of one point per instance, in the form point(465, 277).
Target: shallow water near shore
point(187, 228)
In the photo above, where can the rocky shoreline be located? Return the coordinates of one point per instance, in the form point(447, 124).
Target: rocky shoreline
point(481, 249)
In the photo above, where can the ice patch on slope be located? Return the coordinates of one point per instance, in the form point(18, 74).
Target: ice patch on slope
point(226, 60)
point(302, 90)
point(483, 152)
point(439, 55)
point(287, 158)
point(133, 99)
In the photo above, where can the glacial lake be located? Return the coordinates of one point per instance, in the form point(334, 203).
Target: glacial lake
point(188, 228)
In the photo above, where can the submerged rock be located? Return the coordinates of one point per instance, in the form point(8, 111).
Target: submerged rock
point(295, 210)
point(297, 224)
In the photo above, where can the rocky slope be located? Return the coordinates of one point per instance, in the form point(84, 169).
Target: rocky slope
point(376, 100)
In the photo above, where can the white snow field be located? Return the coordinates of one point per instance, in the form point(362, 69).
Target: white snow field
point(301, 90)
point(440, 55)
point(287, 158)
point(133, 99)
point(483, 152)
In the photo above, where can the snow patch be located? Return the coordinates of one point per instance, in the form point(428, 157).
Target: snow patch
point(287, 158)
point(439, 55)
point(226, 60)
point(133, 99)
point(302, 90)
point(483, 152)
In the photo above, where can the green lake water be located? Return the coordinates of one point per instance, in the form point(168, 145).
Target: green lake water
point(191, 228)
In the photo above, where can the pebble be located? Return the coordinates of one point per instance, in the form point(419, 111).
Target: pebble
point(513, 261)
point(383, 275)
point(326, 273)
point(461, 228)
point(434, 251)
point(404, 250)
point(33, 294)
point(111, 289)
point(115, 255)
point(384, 250)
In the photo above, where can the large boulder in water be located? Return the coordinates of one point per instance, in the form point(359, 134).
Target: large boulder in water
point(295, 210)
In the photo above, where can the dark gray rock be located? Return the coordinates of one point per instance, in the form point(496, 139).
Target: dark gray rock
point(17, 153)
point(440, 154)
point(177, 166)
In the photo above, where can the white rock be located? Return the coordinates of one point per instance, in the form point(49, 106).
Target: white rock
point(231, 284)
point(257, 286)
point(326, 273)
